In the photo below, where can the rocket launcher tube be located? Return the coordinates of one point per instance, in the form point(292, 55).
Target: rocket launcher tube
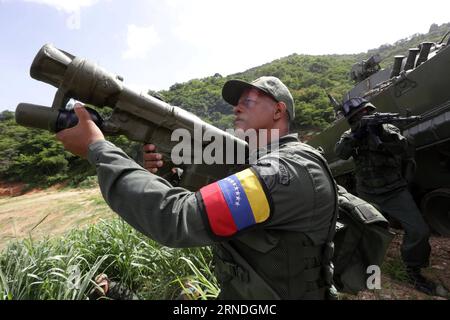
point(138, 116)
point(35, 116)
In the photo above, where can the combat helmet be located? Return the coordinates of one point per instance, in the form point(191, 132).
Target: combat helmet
point(354, 105)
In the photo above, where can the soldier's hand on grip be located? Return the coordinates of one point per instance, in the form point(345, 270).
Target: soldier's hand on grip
point(78, 138)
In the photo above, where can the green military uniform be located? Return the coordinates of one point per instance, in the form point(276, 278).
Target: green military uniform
point(268, 224)
point(380, 179)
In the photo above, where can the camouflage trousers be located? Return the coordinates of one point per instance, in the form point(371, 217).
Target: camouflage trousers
point(400, 205)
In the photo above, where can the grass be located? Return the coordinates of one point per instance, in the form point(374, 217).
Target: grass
point(395, 269)
point(64, 268)
point(97, 200)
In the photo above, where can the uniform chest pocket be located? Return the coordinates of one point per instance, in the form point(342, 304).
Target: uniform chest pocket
point(260, 240)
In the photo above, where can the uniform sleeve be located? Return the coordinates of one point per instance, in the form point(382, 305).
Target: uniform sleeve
point(292, 194)
point(302, 193)
point(169, 215)
point(235, 204)
point(345, 146)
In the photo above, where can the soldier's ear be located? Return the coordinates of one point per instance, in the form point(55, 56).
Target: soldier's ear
point(280, 109)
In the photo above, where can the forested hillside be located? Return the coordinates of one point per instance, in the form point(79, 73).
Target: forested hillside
point(308, 77)
point(34, 156)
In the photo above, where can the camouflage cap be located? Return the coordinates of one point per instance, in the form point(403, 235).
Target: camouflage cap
point(233, 89)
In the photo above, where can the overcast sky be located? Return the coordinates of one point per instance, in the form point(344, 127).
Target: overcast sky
point(154, 44)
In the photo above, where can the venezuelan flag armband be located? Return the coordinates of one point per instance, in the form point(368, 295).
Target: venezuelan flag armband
point(235, 203)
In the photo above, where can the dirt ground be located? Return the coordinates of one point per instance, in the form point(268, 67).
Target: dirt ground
point(393, 285)
point(38, 213)
point(11, 189)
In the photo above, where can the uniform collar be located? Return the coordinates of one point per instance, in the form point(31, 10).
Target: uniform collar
point(292, 137)
point(275, 145)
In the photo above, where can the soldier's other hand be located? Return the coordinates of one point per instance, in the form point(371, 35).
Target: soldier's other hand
point(78, 138)
point(152, 159)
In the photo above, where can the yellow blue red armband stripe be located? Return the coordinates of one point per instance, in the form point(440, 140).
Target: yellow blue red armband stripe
point(235, 203)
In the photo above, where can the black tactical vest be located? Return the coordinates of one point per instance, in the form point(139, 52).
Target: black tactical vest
point(270, 265)
point(376, 169)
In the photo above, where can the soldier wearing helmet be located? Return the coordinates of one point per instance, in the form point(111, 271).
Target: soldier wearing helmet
point(382, 171)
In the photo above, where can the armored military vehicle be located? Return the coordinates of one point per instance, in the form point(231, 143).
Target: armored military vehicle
point(416, 84)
